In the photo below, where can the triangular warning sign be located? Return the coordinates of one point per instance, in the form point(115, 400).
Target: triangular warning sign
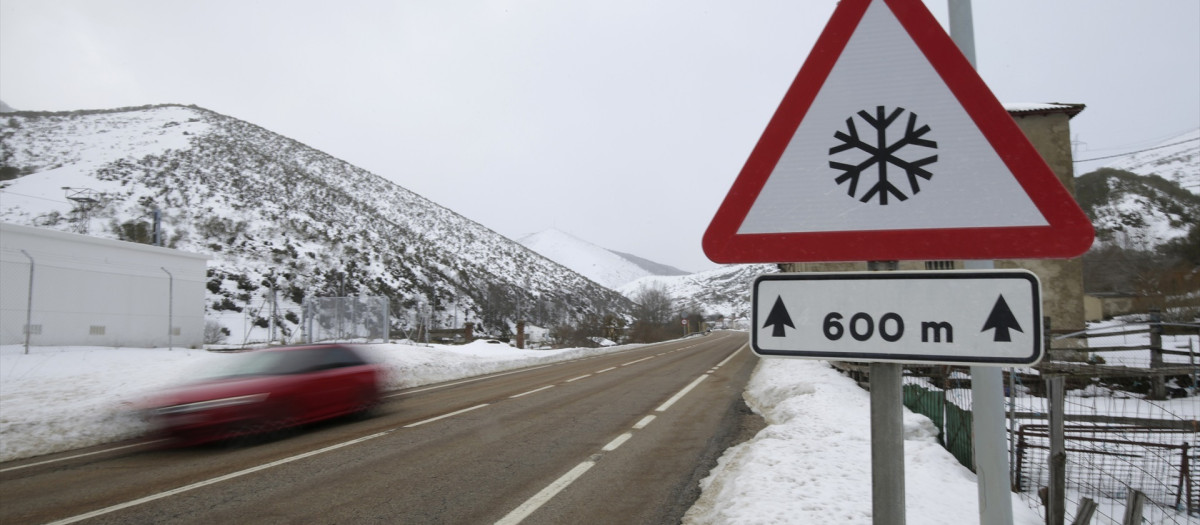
point(889, 146)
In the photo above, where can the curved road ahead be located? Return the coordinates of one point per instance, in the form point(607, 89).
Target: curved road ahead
point(616, 438)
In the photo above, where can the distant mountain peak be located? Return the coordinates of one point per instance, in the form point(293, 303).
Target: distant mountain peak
point(650, 266)
point(606, 267)
point(723, 291)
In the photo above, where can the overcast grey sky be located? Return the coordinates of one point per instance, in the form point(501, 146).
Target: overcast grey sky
point(621, 122)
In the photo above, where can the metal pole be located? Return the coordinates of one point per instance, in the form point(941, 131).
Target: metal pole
point(962, 28)
point(887, 434)
point(990, 438)
point(158, 240)
point(987, 383)
point(29, 303)
point(272, 322)
point(887, 444)
point(387, 321)
point(170, 309)
point(991, 444)
point(1012, 435)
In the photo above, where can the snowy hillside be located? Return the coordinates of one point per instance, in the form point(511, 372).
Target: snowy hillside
point(724, 291)
point(1176, 159)
point(271, 210)
point(608, 268)
point(1136, 211)
point(1147, 198)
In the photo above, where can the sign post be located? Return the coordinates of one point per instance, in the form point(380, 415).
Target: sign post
point(887, 433)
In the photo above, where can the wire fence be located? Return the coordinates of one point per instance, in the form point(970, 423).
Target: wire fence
point(1130, 415)
point(319, 319)
point(346, 318)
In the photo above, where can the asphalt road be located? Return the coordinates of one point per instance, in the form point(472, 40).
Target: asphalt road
point(617, 438)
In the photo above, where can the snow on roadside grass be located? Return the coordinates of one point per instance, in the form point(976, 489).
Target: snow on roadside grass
point(63, 398)
point(812, 464)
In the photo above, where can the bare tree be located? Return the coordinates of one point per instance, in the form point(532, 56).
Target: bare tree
point(652, 314)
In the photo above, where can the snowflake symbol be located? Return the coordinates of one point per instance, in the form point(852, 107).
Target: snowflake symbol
point(882, 154)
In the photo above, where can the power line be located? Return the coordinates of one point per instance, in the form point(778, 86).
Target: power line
point(34, 197)
point(1139, 151)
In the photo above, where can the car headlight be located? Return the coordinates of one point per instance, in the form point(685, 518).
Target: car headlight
point(209, 405)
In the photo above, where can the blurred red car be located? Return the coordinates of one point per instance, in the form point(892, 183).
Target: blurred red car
point(263, 391)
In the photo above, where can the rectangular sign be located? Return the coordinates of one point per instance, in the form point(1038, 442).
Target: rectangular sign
point(955, 317)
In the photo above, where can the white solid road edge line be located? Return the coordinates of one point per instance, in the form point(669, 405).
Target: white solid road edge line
point(520, 513)
point(19, 467)
point(444, 416)
point(739, 350)
point(638, 361)
point(215, 480)
point(677, 397)
point(531, 392)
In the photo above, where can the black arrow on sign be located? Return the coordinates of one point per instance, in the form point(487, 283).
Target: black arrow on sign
point(778, 317)
point(1002, 320)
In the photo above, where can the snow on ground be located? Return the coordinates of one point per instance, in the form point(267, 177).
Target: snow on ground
point(811, 464)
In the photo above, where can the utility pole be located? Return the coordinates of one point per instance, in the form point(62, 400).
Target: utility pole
point(170, 309)
point(29, 303)
point(158, 238)
point(272, 323)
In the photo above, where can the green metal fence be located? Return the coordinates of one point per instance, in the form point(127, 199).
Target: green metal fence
point(953, 422)
point(958, 434)
point(930, 403)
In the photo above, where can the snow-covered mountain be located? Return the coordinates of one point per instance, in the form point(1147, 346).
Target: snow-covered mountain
point(723, 292)
point(268, 208)
point(1148, 198)
point(1175, 159)
point(606, 267)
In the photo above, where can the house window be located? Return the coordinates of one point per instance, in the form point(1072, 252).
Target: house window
point(939, 265)
point(96, 330)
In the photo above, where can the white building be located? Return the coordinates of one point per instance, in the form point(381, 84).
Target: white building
point(89, 291)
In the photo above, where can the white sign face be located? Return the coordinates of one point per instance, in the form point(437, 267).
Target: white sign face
point(960, 317)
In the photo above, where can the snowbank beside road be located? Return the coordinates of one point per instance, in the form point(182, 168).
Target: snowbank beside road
point(812, 464)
